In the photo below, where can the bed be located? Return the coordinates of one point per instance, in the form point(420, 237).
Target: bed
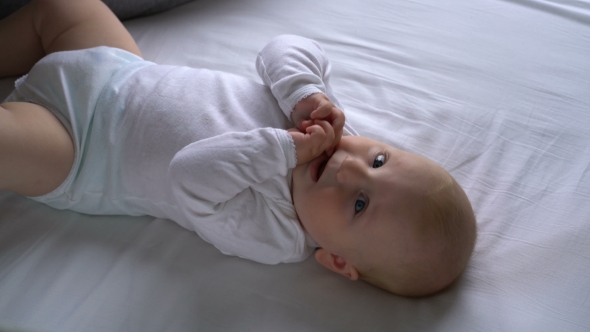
point(496, 91)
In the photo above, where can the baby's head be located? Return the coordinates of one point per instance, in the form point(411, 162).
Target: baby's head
point(386, 216)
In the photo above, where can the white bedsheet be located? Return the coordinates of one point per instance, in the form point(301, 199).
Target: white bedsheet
point(498, 92)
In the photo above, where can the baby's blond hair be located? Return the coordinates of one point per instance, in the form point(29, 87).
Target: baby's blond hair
point(448, 217)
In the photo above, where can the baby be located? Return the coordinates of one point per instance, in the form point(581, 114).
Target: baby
point(95, 128)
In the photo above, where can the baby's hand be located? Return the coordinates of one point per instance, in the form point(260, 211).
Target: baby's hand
point(319, 107)
point(311, 143)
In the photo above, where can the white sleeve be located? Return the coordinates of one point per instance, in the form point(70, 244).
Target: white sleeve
point(295, 67)
point(224, 187)
point(207, 173)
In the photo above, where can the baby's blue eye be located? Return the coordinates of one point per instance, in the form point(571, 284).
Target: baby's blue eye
point(379, 161)
point(360, 203)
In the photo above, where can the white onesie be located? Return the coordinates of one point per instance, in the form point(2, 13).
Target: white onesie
point(204, 148)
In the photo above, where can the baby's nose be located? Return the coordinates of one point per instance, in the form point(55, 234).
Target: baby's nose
point(352, 170)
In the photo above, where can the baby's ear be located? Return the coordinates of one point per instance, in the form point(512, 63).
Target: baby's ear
point(337, 264)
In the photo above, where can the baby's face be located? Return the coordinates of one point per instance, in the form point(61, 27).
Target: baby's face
point(365, 200)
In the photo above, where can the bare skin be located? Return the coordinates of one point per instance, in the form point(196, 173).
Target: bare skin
point(36, 150)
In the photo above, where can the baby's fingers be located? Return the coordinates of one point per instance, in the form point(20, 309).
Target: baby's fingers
point(304, 124)
point(333, 134)
point(338, 126)
point(321, 128)
point(323, 110)
point(323, 135)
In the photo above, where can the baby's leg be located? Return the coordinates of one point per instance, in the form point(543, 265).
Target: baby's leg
point(36, 151)
point(46, 26)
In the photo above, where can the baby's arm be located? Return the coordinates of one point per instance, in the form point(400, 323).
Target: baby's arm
point(293, 68)
point(232, 190)
point(297, 72)
point(214, 170)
